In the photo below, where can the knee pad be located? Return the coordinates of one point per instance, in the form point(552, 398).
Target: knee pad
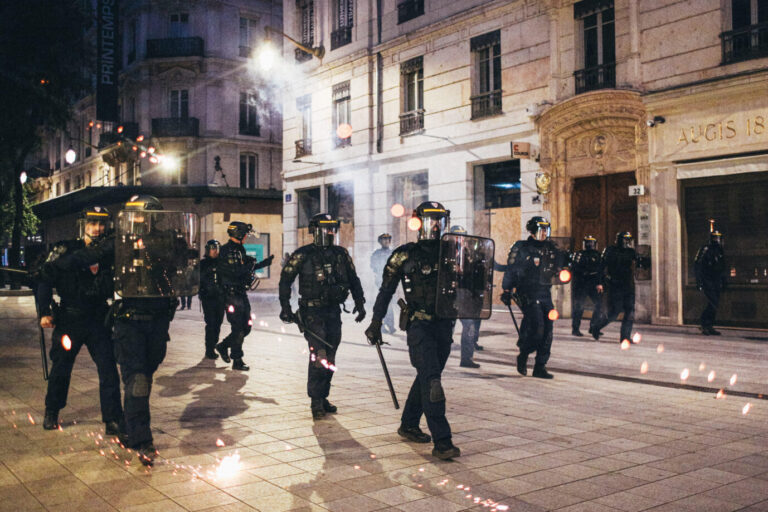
point(139, 385)
point(436, 393)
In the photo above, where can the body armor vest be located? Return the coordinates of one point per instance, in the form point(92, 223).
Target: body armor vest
point(586, 265)
point(420, 276)
point(324, 276)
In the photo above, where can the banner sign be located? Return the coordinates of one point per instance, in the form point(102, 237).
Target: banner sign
point(108, 63)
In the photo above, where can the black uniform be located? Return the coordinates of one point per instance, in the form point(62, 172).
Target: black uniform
point(586, 278)
point(711, 273)
point(531, 265)
point(618, 271)
point(236, 269)
point(212, 300)
point(429, 338)
point(326, 277)
point(84, 291)
point(378, 262)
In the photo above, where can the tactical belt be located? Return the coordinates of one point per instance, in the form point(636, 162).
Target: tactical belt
point(313, 303)
point(422, 315)
point(233, 290)
point(137, 317)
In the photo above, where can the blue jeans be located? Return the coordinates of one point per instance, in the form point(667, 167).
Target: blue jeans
point(469, 335)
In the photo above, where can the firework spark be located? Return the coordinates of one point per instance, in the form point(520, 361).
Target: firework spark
point(644, 367)
point(720, 394)
point(684, 374)
point(625, 345)
point(733, 379)
point(637, 337)
point(711, 376)
point(219, 443)
point(746, 408)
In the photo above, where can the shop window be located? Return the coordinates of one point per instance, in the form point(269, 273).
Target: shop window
point(308, 201)
point(486, 83)
point(595, 19)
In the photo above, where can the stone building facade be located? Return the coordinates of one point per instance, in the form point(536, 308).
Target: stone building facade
point(642, 115)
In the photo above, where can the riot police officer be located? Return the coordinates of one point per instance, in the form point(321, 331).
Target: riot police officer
point(237, 271)
point(378, 261)
point(711, 274)
point(618, 271)
point(587, 282)
point(429, 338)
point(327, 275)
point(211, 297)
point(79, 320)
point(531, 266)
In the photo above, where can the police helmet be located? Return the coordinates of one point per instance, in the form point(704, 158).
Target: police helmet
point(589, 243)
point(624, 239)
point(324, 228)
point(384, 236)
point(239, 230)
point(143, 202)
point(539, 227)
point(458, 230)
point(434, 220)
point(211, 245)
point(716, 237)
point(94, 222)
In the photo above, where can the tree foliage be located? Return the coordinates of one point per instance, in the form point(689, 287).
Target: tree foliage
point(29, 221)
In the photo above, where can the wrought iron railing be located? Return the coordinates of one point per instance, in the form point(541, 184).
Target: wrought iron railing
point(409, 9)
point(595, 78)
point(340, 37)
point(745, 43)
point(130, 131)
point(486, 104)
point(412, 121)
point(175, 127)
point(175, 47)
point(303, 147)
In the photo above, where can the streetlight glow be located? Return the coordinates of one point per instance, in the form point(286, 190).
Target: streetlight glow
point(23, 177)
point(70, 156)
point(169, 163)
point(267, 56)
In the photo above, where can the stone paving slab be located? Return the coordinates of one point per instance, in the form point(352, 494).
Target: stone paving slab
point(582, 442)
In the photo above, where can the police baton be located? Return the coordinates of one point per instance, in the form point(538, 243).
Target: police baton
point(42, 341)
point(303, 328)
point(514, 320)
point(386, 375)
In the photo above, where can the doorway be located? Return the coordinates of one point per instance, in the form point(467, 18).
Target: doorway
point(602, 207)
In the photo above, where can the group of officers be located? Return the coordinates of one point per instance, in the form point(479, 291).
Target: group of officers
point(151, 259)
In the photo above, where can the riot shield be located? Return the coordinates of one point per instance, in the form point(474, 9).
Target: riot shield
point(157, 254)
point(464, 277)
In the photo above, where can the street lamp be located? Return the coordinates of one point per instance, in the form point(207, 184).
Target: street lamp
point(70, 156)
point(317, 51)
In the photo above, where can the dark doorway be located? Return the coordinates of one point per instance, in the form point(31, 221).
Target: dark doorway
point(601, 207)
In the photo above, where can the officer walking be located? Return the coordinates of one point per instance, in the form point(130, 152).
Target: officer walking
point(470, 327)
point(237, 271)
point(587, 282)
point(531, 266)
point(618, 271)
point(211, 297)
point(79, 320)
point(326, 277)
point(378, 261)
point(429, 338)
point(711, 274)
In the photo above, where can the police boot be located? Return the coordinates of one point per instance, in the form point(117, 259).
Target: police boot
point(240, 365)
point(211, 354)
point(147, 453)
point(328, 406)
point(540, 372)
point(576, 332)
point(413, 434)
point(468, 363)
point(51, 419)
point(444, 450)
point(112, 428)
point(522, 364)
point(223, 352)
point(479, 347)
point(318, 412)
point(712, 332)
point(595, 332)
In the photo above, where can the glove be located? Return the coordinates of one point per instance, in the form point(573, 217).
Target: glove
point(506, 298)
point(373, 333)
point(360, 310)
point(699, 285)
point(267, 262)
point(287, 316)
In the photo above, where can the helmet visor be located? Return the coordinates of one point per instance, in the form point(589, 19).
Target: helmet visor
point(543, 231)
point(327, 234)
point(627, 242)
point(432, 227)
point(93, 227)
point(589, 245)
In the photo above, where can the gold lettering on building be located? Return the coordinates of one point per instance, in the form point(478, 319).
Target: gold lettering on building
point(721, 130)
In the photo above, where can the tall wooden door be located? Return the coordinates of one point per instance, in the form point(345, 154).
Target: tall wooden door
point(601, 207)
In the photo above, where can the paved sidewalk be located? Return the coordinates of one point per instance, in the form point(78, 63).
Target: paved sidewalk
point(602, 436)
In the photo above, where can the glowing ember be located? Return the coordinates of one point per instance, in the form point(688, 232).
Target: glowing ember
point(421, 470)
point(733, 379)
point(702, 367)
point(250, 322)
point(565, 276)
point(219, 442)
point(553, 315)
point(746, 408)
point(357, 467)
point(66, 342)
point(253, 316)
point(644, 367)
point(637, 337)
point(31, 419)
point(373, 456)
point(344, 131)
point(684, 374)
point(229, 466)
point(231, 308)
point(397, 210)
point(711, 376)
point(414, 224)
point(502, 507)
point(625, 345)
point(659, 349)
point(460, 486)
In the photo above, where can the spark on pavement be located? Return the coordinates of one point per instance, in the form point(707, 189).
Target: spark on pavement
point(711, 376)
point(625, 345)
point(660, 349)
point(229, 466)
point(31, 419)
point(746, 408)
point(733, 379)
point(720, 394)
point(702, 367)
point(644, 367)
point(637, 337)
point(219, 442)
point(684, 374)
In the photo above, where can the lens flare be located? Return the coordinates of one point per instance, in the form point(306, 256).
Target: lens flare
point(637, 337)
point(746, 408)
point(397, 210)
point(644, 367)
point(625, 345)
point(414, 224)
point(553, 315)
point(565, 276)
point(685, 374)
point(711, 376)
point(733, 379)
point(66, 342)
point(344, 131)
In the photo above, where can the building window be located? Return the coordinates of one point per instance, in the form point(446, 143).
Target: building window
point(340, 199)
point(596, 20)
point(343, 19)
point(130, 113)
point(304, 142)
point(342, 115)
point(409, 190)
point(409, 9)
point(486, 56)
point(88, 179)
point(132, 42)
point(179, 104)
point(247, 36)
point(179, 25)
point(249, 171)
point(748, 37)
point(78, 182)
point(57, 189)
point(308, 202)
point(249, 118)
point(412, 88)
point(306, 18)
point(67, 185)
point(497, 185)
point(179, 175)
